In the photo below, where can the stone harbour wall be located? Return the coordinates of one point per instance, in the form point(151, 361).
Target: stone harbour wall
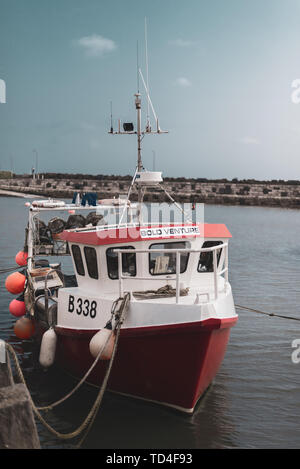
point(256, 193)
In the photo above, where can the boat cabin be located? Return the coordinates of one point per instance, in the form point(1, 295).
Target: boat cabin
point(113, 256)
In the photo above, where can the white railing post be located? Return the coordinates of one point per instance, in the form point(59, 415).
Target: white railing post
point(226, 266)
point(215, 272)
point(120, 270)
point(177, 276)
point(30, 240)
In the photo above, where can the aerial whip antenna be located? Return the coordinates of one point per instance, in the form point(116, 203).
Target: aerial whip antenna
point(111, 119)
point(148, 126)
point(137, 67)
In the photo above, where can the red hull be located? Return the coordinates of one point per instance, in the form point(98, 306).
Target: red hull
point(171, 365)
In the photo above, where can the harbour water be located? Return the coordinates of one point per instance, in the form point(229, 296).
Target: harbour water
point(253, 402)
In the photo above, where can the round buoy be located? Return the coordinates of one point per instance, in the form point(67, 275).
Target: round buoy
point(17, 308)
point(15, 283)
point(98, 341)
point(21, 258)
point(24, 328)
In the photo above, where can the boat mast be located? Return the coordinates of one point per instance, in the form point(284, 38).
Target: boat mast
point(139, 151)
point(139, 132)
point(138, 105)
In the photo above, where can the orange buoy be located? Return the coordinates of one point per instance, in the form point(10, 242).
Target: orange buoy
point(24, 328)
point(21, 258)
point(15, 283)
point(17, 308)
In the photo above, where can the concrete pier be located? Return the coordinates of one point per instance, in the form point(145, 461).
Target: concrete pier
point(17, 424)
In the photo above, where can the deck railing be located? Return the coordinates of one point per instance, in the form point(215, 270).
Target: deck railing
point(217, 272)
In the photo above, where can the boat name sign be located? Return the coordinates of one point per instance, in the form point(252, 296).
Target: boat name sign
point(169, 231)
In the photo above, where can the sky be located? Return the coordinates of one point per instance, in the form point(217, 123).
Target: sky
point(222, 80)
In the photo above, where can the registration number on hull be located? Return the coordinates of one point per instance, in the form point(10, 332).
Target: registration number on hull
point(84, 307)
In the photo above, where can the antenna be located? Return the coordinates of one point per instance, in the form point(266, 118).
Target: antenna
point(111, 119)
point(11, 164)
point(128, 126)
point(137, 67)
point(148, 96)
point(148, 126)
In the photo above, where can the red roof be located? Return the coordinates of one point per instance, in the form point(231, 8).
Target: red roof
point(143, 233)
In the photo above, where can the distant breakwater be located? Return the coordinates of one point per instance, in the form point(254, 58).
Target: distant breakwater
point(250, 192)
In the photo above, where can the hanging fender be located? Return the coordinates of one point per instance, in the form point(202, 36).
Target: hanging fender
point(99, 340)
point(48, 348)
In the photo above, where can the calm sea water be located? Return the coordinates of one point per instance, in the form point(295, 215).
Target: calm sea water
point(254, 400)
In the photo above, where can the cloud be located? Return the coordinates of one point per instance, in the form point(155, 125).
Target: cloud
point(95, 45)
point(182, 43)
point(249, 141)
point(184, 82)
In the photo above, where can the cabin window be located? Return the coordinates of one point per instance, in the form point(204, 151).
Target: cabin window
point(206, 258)
point(165, 262)
point(91, 261)
point(128, 262)
point(76, 252)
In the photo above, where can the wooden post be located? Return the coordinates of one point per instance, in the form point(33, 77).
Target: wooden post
point(17, 424)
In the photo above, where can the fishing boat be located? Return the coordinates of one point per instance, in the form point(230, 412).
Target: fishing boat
point(174, 275)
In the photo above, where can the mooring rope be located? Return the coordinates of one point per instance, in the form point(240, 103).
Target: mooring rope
point(83, 379)
point(10, 269)
point(266, 313)
point(88, 421)
point(90, 418)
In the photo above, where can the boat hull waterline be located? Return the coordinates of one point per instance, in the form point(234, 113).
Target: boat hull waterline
point(170, 365)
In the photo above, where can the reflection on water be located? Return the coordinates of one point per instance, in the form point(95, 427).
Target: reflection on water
point(253, 402)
